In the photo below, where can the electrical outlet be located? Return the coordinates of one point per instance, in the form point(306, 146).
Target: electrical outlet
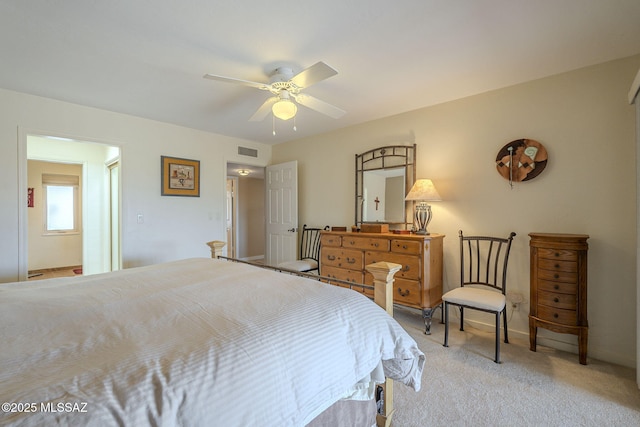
point(515, 297)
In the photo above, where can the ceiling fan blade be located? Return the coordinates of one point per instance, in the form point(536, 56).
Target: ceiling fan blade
point(319, 106)
point(312, 75)
point(262, 86)
point(264, 110)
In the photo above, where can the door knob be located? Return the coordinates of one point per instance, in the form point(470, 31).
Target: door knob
point(292, 230)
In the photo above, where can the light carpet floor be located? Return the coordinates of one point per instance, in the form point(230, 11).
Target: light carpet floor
point(462, 386)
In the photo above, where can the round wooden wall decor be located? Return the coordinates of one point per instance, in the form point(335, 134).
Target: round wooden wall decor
point(521, 160)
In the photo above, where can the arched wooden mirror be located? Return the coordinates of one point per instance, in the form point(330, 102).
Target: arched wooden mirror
point(383, 178)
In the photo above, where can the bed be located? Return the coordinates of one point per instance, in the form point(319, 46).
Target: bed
point(192, 342)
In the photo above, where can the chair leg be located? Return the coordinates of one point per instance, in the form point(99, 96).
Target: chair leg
point(445, 312)
point(461, 318)
point(497, 359)
point(506, 333)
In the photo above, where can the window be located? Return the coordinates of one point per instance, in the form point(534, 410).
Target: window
point(62, 207)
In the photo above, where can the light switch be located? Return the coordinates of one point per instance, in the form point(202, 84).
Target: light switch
point(140, 219)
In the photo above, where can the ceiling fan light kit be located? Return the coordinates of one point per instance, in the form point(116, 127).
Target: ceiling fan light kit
point(286, 86)
point(284, 108)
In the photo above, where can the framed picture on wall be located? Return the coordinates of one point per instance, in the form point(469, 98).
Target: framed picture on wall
point(180, 177)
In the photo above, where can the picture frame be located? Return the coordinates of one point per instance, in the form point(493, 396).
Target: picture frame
point(180, 177)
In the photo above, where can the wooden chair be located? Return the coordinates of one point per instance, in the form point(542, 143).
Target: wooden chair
point(309, 255)
point(483, 282)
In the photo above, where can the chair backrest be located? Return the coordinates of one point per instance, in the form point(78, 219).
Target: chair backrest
point(310, 242)
point(483, 260)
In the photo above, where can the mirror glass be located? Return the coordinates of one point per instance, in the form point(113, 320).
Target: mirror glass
point(383, 195)
point(383, 178)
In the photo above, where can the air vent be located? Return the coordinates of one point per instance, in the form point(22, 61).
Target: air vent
point(244, 151)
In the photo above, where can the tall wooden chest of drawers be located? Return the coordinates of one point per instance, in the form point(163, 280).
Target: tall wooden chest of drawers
point(559, 287)
point(418, 284)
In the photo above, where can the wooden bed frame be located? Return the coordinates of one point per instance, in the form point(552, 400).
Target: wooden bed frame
point(382, 272)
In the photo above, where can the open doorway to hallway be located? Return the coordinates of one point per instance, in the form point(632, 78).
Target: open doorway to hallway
point(245, 212)
point(88, 246)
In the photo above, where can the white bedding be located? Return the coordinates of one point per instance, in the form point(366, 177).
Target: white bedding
point(199, 342)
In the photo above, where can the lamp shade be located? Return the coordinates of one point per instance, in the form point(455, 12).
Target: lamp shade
point(424, 190)
point(284, 109)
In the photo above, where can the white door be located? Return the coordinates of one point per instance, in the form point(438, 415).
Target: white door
point(281, 186)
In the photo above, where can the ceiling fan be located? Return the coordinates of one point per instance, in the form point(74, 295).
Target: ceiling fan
point(285, 86)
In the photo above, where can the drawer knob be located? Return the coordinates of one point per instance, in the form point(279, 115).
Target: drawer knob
point(404, 246)
point(556, 287)
point(555, 315)
point(403, 293)
point(557, 254)
point(352, 242)
point(406, 268)
point(331, 257)
point(557, 266)
point(556, 276)
point(375, 245)
point(556, 299)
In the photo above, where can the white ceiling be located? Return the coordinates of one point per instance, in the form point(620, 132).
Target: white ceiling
point(147, 57)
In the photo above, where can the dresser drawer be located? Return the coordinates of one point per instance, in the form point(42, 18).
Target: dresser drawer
point(405, 247)
point(330, 240)
point(558, 287)
point(558, 276)
point(558, 265)
point(354, 276)
point(410, 264)
point(561, 254)
point(405, 291)
point(558, 300)
point(557, 315)
point(358, 242)
point(339, 257)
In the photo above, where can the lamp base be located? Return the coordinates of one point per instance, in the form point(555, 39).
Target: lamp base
point(423, 217)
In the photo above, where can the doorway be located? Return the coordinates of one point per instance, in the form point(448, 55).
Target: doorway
point(97, 206)
point(245, 212)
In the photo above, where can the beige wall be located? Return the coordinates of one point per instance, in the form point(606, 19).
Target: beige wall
point(173, 227)
point(48, 251)
point(251, 235)
point(584, 120)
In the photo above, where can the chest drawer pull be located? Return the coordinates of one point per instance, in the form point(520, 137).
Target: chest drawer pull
point(403, 293)
point(557, 254)
point(556, 299)
point(351, 260)
point(406, 268)
point(331, 257)
point(557, 276)
point(555, 315)
point(405, 247)
point(556, 287)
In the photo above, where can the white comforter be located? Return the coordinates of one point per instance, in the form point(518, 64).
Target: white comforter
point(198, 342)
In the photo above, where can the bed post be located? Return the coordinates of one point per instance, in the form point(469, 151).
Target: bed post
point(383, 273)
point(216, 247)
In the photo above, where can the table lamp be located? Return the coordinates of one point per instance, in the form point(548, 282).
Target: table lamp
point(423, 191)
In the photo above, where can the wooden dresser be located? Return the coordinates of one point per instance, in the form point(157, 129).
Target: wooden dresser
point(559, 287)
point(418, 284)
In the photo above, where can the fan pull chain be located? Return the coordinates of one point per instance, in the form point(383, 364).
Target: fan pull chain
point(273, 124)
point(294, 124)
